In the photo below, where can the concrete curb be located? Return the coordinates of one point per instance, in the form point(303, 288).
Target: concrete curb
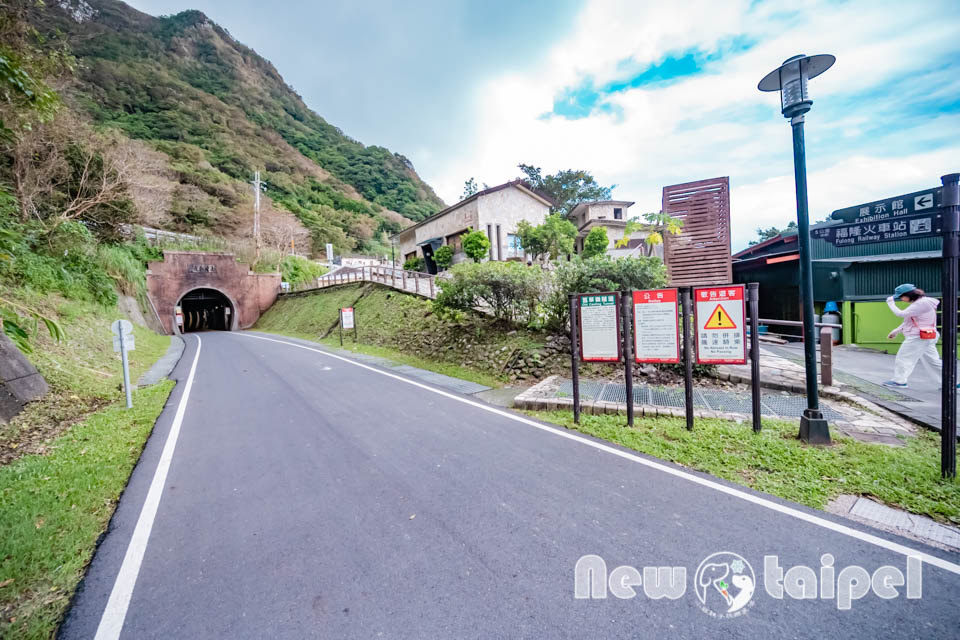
point(164, 365)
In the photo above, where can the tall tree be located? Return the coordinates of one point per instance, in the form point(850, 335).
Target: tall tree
point(567, 188)
point(469, 188)
point(766, 234)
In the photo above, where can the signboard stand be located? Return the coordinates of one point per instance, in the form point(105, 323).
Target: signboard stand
point(685, 306)
point(753, 302)
point(123, 342)
point(627, 312)
point(948, 403)
point(574, 360)
point(348, 320)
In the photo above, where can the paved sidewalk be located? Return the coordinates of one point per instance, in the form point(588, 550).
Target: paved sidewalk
point(863, 371)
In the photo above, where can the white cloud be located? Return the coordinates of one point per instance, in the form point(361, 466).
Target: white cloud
point(717, 123)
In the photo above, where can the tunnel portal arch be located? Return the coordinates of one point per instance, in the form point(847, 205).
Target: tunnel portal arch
point(187, 283)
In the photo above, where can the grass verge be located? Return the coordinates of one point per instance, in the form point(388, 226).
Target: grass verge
point(65, 460)
point(446, 368)
point(776, 462)
point(54, 507)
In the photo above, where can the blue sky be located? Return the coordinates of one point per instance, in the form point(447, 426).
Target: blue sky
point(642, 94)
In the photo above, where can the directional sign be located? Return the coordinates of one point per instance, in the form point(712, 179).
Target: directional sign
point(599, 327)
point(719, 315)
point(922, 225)
point(897, 206)
point(118, 324)
point(656, 326)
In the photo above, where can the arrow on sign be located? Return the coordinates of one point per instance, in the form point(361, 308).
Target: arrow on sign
point(923, 202)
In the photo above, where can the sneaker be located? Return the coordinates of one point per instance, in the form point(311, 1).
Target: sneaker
point(898, 385)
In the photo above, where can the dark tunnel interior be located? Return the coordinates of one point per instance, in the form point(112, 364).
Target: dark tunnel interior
point(205, 310)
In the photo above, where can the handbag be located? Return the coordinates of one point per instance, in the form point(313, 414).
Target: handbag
point(925, 334)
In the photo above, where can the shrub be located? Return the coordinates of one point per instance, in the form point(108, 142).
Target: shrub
point(297, 269)
point(476, 245)
point(511, 291)
point(415, 264)
point(596, 242)
point(443, 256)
point(600, 273)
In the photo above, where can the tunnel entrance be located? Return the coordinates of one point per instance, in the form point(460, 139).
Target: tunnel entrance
point(205, 310)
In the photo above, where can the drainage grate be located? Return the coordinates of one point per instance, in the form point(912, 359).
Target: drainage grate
point(618, 393)
point(668, 397)
point(589, 390)
point(728, 402)
point(793, 406)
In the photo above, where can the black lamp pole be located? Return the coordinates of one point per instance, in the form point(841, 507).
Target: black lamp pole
point(791, 80)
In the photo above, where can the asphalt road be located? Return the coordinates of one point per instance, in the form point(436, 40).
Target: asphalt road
point(309, 496)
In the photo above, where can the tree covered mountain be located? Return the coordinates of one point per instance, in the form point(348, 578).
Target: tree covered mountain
point(217, 111)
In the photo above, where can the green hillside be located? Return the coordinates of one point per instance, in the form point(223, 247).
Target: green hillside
point(217, 112)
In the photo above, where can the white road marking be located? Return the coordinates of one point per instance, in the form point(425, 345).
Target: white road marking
point(737, 493)
point(113, 616)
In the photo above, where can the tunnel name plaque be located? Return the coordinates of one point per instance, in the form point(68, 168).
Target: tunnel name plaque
point(202, 268)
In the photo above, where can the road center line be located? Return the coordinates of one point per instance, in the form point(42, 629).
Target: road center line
point(116, 611)
point(737, 493)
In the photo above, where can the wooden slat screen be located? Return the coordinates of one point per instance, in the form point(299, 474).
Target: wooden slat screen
point(700, 254)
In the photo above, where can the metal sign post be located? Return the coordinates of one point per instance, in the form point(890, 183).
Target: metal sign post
point(574, 353)
point(753, 301)
point(686, 303)
point(626, 298)
point(123, 342)
point(948, 402)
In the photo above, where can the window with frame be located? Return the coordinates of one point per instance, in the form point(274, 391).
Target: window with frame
point(617, 213)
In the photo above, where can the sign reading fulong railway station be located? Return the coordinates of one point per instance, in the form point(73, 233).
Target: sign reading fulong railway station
point(599, 324)
point(909, 216)
point(720, 315)
point(656, 326)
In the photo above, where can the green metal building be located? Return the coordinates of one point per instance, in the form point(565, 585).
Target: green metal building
point(859, 278)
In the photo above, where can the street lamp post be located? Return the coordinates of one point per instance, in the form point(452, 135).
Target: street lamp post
point(790, 79)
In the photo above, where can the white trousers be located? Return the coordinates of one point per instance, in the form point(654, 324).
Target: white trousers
point(916, 350)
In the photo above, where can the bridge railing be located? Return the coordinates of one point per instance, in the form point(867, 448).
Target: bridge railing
point(421, 284)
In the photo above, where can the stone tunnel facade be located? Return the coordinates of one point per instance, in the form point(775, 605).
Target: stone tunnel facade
point(183, 272)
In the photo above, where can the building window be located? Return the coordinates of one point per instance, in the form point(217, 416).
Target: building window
point(618, 213)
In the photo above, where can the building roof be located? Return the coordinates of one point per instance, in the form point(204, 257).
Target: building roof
point(519, 184)
point(588, 203)
point(768, 246)
point(887, 257)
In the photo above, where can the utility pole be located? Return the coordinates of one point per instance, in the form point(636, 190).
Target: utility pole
point(257, 186)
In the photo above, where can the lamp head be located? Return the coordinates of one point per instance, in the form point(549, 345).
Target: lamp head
point(791, 78)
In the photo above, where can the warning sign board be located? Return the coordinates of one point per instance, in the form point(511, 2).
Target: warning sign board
point(656, 326)
point(599, 327)
point(719, 314)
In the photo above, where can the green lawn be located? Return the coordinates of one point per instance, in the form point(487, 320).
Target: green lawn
point(72, 453)
point(776, 462)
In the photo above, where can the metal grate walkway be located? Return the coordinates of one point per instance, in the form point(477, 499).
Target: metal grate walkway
point(777, 405)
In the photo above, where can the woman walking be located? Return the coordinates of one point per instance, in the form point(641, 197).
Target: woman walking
point(919, 329)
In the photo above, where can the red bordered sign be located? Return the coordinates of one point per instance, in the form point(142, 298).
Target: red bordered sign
point(599, 326)
point(720, 318)
point(656, 326)
point(346, 317)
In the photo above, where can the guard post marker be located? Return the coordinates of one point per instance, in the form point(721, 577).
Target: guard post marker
point(753, 308)
point(686, 302)
point(574, 363)
point(950, 210)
